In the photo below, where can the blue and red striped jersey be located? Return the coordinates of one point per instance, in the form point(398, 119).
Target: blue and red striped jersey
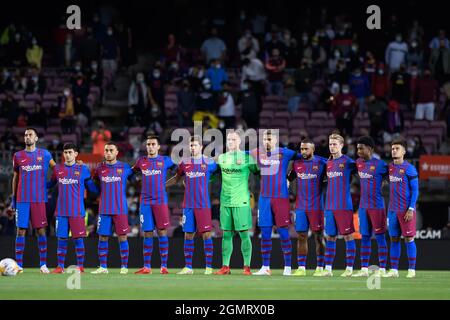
point(32, 168)
point(154, 172)
point(196, 174)
point(71, 185)
point(273, 167)
point(404, 186)
point(371, 174)
point(310, 175)
point(339, 175)
point(113, 187)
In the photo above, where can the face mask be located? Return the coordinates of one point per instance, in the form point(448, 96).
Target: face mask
point(414, 44)
point(357, 74)
point(221, 124)
point(55, 142)
point(218, 66)
point(305, 39)
point(77, 68)
point(225, 94)
point(414, 73)
point(287, 36)
point(34, 42)
point(337, 54)
point(35, 79)
point(6, 74)
point(398, 39)
point(345, 91)
point(248, 35)
point(109, 32)
point(354, 49)
point(207, 86)
point(155, 110)
point(140, 79)
point(240, 127)
point(94, 66)
point(66, 93)
point(132, 191)
point(133, 208)
point(380, 72)
point(244, 86)
point(156, 74)
point(68, 42)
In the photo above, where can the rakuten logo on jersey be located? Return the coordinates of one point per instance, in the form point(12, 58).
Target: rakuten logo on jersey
point(306, 176)
point(395, 179)
point(67, 181)
point(31, 168)
point(151, 172)
point(364, 175)
point(269, 162)
point(193, 174)
point(111, 179)
point(334, 174)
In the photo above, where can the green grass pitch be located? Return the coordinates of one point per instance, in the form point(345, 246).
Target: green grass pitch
point(33, 285)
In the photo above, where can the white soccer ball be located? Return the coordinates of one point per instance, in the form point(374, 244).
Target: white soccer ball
point(9, 267)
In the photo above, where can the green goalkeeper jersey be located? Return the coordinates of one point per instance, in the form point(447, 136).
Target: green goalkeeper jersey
point(236, 167)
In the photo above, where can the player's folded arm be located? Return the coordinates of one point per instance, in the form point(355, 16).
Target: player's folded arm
point(91, 186)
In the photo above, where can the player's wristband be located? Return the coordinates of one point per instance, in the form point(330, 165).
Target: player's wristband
point(411, 208)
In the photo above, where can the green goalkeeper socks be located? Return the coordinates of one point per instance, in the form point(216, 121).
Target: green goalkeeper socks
point(227, 247)
point(246, 247)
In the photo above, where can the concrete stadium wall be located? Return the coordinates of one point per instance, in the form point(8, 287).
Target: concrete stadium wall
point(432, 254)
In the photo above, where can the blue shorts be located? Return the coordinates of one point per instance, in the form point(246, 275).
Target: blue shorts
point(76, 225)
point(330, 223)
point(371, 220)
point(106, 222)
point(305, 220)
point(273, 211)
point(152, 216)
point(196, 220)
point(34, 210)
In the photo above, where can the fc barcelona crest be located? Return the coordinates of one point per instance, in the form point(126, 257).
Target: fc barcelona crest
point(372, 168)
point(77, 173)
point(159, 164)
point(315, 168)
point(341, 166)
point(119, 171)
point(401, 171)
point(39, 158)
point(203, 166)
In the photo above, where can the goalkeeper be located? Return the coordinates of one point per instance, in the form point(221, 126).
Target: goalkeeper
point(235, 211)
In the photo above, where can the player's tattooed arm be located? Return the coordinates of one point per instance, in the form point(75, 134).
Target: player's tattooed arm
point(291, 176)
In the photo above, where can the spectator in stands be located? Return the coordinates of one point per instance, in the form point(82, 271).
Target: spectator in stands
point(22, 119)
point(9, 141)
point(342, 75)
point(415, 55)
point(217, 74)
point(5, 81)
point(89, 48)
point(440, 63)
point(173, 51)
point(206, 99)
point(68, 51)
point(56, 144)
point(400, 86)
point(38, 118)
point(292, 51)
point(396, 52)
point(34, 54)
point(227, 108)
point(413, 79)
point(376, 107)
point(333, 61)
point(316, 54)
point(36, 82)
point(435, 43)
point(248, 46)
point(370, 65)
point(393, 119)
point(19, 81)
point(98, 28)
point(360, 88)
point(416, 32)
point(10, 109)
point(152, 120)
point(380, 83)
point(426, 95)
point(16, 51)
point(99, 138)
point(128, 54)
point(273, 41)
point(110, 55)
point(446, 111)
point(304, 77)
point(80, 92)
point(196, 74)
point(7, 222)
point(214, 47)
point(275, 66)
point(185, 104)
point(354, 58)
point(139, 99)
point(291, 93)
point(94, 75)
point(249, 102)
point(66, 106)
point(419, 148)
point(156, 83)
point(254, 73)
point(344, 110)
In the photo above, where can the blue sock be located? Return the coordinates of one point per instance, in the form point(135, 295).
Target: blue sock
point(411, 251)
point(320, 261)
point(208, 248)
point(148, 250)
point(163, 250)
point(286, 246)
point(365, 251)
point(188, 252)
point(124, 252)
point(42, 244)
point(266, 245)
point(20, 247)
point(395, 254)
point(350, 251)
point(61, 252)
point(382, 250)
point(330, 252)
point(301, 260)
point(103, 253)
point(79, 250)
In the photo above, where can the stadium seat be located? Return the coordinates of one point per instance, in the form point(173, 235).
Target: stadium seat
point(296, 123)
point(418, 124)
point(136, 130)
point(33, 97)
point(319, 115)
point(69, 138)
point(282, 115)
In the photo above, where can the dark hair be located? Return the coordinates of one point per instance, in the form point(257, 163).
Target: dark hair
point(111, 143)
point(153, 137)
point(367, 141)
point(196, 138)
point(70, 145)
point(35, 131)
point(401, 142)
point(307, 140)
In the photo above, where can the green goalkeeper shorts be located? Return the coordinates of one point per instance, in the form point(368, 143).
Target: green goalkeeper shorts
point(235, 218)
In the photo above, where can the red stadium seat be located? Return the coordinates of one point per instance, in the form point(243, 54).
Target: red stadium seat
point(319, 115)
